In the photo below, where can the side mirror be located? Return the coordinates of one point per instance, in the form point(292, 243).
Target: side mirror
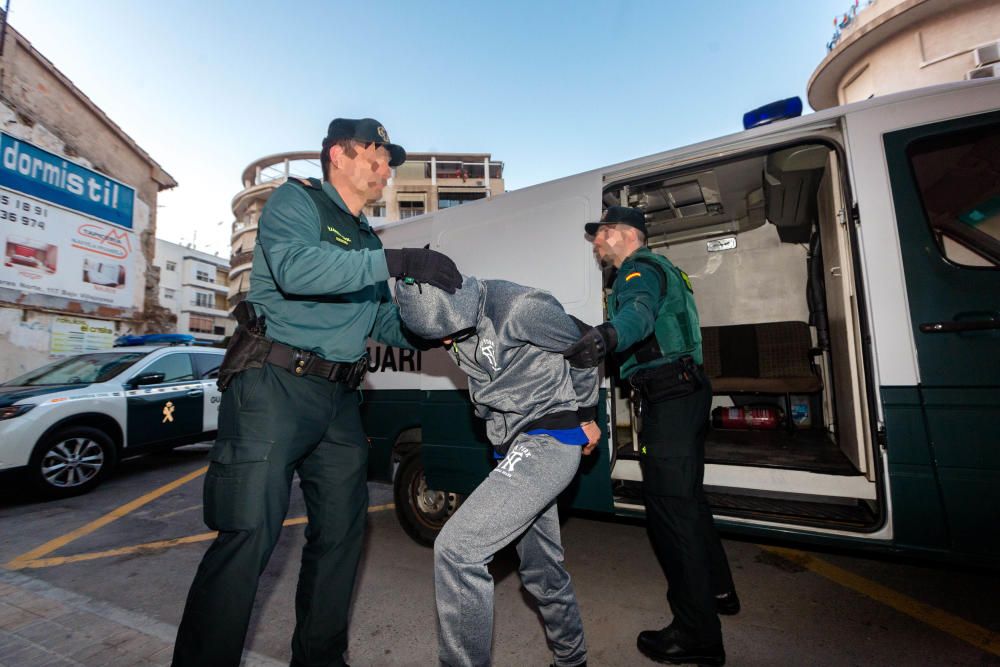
point(147, 378)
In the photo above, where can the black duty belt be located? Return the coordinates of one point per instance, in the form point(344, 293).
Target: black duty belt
point(303, 362)
point(673, 380)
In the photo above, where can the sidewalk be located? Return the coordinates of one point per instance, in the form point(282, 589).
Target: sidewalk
point(45, 626)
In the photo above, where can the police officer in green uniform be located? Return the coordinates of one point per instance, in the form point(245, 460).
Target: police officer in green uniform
point(655, 335)
point(318, 290)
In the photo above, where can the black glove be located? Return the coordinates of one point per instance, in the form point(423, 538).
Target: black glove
point(424, 266)
point(592, 346)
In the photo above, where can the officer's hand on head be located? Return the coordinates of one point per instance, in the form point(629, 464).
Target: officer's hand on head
point(424, 266)
point(592, 346)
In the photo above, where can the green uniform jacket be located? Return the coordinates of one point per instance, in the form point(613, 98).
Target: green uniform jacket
point(641, 306)
point(320, 276)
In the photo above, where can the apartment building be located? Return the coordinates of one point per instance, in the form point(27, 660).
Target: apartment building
point(194, 286)
point(887, 46)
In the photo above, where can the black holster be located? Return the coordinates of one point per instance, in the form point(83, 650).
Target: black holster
point(663, 383)
point(246, 350)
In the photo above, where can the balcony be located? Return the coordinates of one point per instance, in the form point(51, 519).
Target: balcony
point(208, 311)
point(468, 172)
point(241, 258)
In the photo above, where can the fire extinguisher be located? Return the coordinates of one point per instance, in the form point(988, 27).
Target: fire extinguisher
point(748, 417)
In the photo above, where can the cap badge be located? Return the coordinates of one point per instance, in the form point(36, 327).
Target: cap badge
point(383, 134)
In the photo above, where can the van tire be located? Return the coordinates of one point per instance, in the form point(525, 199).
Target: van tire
point(90, 451)
point(421, 511)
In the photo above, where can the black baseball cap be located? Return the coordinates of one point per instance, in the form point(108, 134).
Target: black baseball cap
point(366, 131)
point(619, 215)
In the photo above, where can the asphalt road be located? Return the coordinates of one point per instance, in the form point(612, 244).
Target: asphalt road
point(799, 607)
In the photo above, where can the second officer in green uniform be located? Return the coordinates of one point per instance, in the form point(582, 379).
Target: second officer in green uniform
point(654, 332)
point(290, 404)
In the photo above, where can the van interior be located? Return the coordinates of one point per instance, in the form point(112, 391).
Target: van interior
point(766, 243)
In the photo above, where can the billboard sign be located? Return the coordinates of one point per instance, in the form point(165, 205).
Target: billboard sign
point(65, 230)
point(38, 173)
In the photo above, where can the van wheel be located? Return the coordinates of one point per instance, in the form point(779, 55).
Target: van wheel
point(421, 511)
point(72, 461)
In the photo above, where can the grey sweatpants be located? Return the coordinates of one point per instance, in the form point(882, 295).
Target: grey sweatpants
point(518, 499)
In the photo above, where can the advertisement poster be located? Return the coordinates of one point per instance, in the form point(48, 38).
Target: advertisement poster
point(75, 335)
point(63, 230)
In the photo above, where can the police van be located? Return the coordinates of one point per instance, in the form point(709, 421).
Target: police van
point(66, 424)
point(846, 266)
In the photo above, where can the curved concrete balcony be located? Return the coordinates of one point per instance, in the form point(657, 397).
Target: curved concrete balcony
point(240, 259)
point(266, 173)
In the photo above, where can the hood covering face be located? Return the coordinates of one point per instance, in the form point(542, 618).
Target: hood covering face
point(434, 314)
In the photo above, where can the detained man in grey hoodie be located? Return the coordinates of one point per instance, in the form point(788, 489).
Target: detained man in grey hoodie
point(540, 419)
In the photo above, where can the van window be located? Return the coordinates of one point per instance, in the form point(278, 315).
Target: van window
point(958, 176)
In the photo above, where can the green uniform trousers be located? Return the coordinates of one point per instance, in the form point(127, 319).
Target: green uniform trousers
point(271, 425)
point(678, 517)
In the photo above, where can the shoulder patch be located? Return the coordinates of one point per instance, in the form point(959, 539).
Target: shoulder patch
point(634, 274)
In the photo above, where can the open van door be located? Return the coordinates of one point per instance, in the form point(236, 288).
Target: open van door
point(842, 308)
point(945, 179)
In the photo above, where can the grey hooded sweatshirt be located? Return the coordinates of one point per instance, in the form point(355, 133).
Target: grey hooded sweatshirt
point(509, 341)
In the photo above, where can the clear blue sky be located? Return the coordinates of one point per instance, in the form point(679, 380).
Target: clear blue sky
point(549, 88)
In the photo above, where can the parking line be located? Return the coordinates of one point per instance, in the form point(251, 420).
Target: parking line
point(153, 546)
point(959, 628)
point(61, 541)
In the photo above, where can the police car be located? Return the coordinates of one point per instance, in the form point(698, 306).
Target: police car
point(65, 425)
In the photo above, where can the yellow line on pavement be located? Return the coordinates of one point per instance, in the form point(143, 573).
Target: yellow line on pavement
point(971, 633)
point(149, 547)
point(63, 540)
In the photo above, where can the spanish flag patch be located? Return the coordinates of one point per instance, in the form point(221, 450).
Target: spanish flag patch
point(634, 274)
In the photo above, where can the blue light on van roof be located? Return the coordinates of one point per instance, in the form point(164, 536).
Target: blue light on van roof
point(154, 339)
point(780, 110)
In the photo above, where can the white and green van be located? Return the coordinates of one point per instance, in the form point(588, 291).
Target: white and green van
point(846, 266)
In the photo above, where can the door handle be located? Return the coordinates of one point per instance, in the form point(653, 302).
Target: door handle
point(196, 392)
point(952, 326)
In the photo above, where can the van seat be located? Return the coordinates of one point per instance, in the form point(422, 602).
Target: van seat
point(767, 358)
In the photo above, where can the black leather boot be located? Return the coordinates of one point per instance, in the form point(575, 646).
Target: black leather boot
point(669, 645)
point(727, 604)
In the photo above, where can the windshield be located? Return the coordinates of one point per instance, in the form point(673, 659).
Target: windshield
point(81, 369)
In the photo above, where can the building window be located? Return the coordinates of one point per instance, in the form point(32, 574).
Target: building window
point(204, 300)
point(169, 293)
point(200, 324)
point(449, 199)
point(377, 211)
point(203, 276)
point(171, 266)
point(219, 331)
point(956, 174)
point(408, 209)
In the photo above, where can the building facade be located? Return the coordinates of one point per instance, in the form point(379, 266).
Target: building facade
point(425, 183)
point(77, 218)
point(885, 46)
point(194, 286)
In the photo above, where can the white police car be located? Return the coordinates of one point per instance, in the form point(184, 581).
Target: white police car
point(65, 425)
